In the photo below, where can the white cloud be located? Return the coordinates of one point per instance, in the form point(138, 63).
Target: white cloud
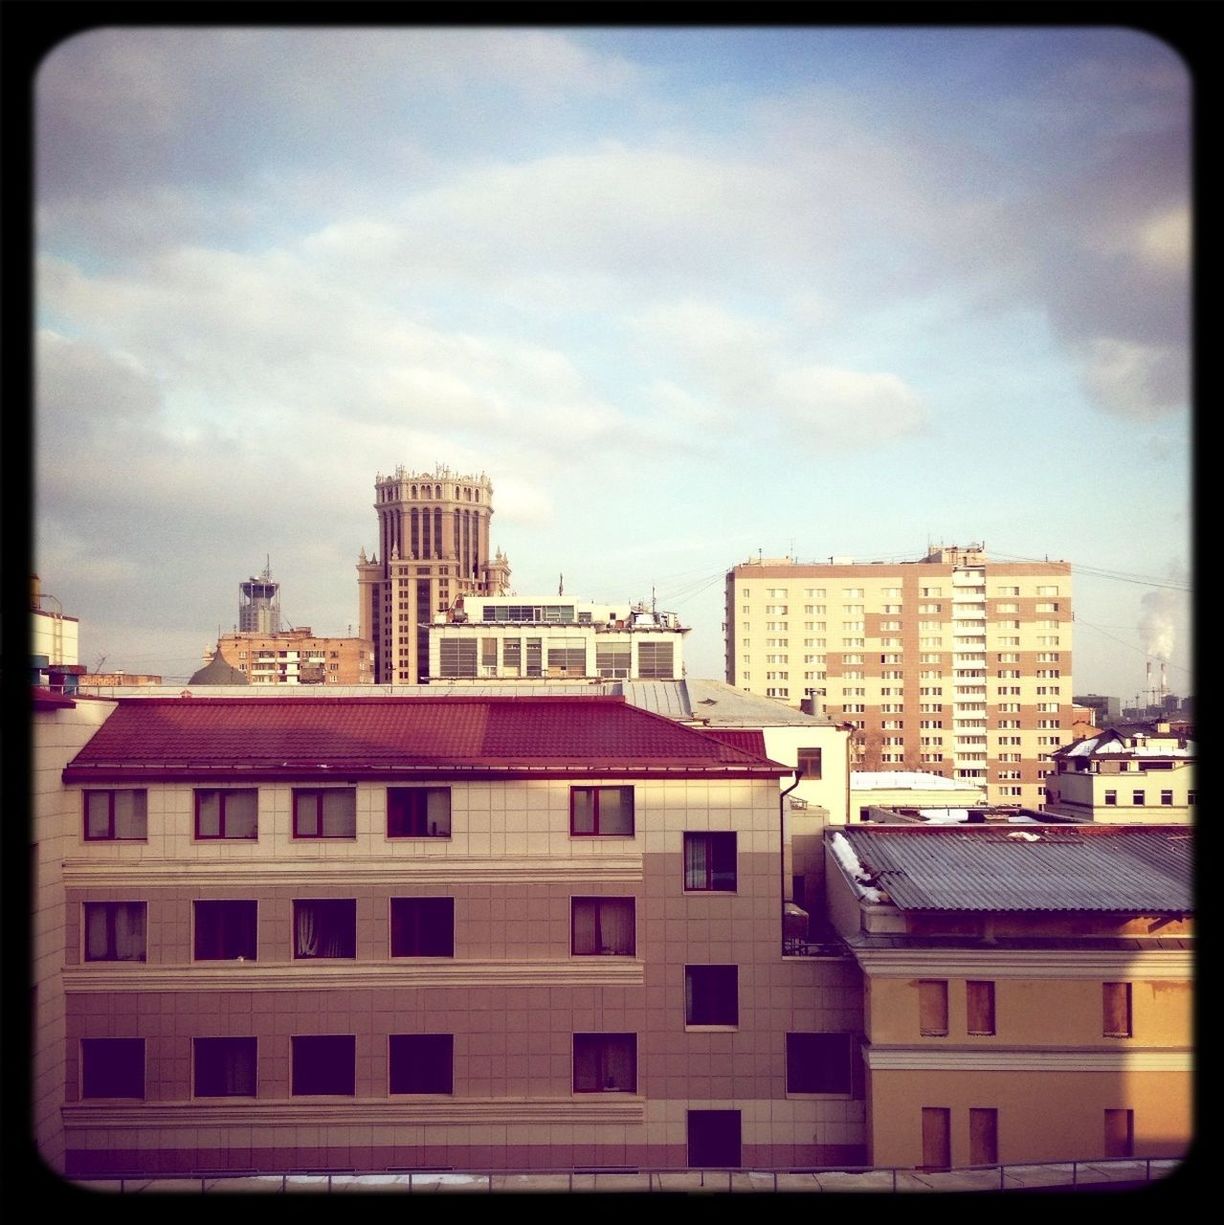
point(826, 405)
point(1134, 379)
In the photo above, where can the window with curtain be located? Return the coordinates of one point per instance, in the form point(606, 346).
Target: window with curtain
point(605, 1063)
point(418, 812)
point(606, 811)
point(709, 862)
point(711, 995)
point(602, 925)
point(325, 812)
point(325, 927)
point(115, 931)
point(116, 816)
point(224, 1067)
point(226, 814)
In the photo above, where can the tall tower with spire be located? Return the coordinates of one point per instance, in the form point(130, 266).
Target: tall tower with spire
point(259, 603)
point(433, 546)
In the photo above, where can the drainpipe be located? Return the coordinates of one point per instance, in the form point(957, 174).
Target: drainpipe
point(782, 856)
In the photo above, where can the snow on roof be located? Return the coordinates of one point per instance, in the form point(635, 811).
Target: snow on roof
point(905, 780)
point(853, 868)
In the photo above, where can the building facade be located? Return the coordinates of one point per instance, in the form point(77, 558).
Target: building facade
point(953, 664)
point(433, 538)
point(299, 657)
point(375, 933)
point(1028, 992)
point(482, 638)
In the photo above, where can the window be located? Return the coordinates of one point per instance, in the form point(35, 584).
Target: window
point(714, 1139)
point(1111, 799)
point(457, 657)
point(226, 814)
point(1119, 1133)
point(605, 811)
point(325, 927)
point(819, 1063)
point(602, 925)
point(226, 931)
point(422, 927)
point(1166, 798)
point(325, 813)
point(116, 816)
point(1117, 1020)
point(422, 1063)
point(980, 1005)
point(115, 931)
point(605, 1063)
point(933, 1008)
point(1138, 798)
point(709, 861)
point(112, 1067)
point(224, 1067)
point(936, 1137)
point(983, 1136)
point(325, 1064)
point(711, 995)
point(418, 812)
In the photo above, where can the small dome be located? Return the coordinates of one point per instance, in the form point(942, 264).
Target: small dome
point(218, 672)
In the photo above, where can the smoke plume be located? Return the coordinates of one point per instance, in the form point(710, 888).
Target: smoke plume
point(1156, 623)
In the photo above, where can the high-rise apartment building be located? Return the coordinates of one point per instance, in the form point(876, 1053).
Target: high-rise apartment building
point(433, 532)
point(953, 664)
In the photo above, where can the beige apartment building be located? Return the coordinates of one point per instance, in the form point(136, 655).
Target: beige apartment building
point(433, 541)
point(298, 657)
point(954, 664)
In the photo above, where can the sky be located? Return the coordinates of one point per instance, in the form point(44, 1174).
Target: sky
point(688, 296)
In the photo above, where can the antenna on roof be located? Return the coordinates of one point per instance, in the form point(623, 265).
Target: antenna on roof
point(560, 584)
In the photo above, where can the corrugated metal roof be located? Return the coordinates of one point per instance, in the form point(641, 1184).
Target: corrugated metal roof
point(159, 735)
point(1060, 868)
point(746, 739)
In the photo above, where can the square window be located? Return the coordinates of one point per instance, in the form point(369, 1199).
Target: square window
point(605, 1063)
point(422, 1063)
point(1138, 798)
point(325, 1064)
point(224, 1067)
point(819, 1063)
point(418, 812)
point(1117, 1020)
point(116, 816)
point(325, 927)
point(112, 1067)
point(602, 925)
point(422, 927)
point(226, 930)
point(714, 1139)
point(226, 814)
point(980, 1006)
point(1166, 798)
point(709, 862)
point(1111, 798)
point(933, 1008)
point(325, 813)
point(605, 811)
point(808, 764)
point(115, 931)
point(711, 995)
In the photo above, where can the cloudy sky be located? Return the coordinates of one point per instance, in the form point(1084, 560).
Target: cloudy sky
point(687, 296)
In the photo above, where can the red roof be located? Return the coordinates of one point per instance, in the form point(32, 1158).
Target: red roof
point(745, 739)
point(392, 736)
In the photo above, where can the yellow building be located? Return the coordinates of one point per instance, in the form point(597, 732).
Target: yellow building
point(298, 657)
point(1027, 991)
point(955, 663)
point(1128, 775)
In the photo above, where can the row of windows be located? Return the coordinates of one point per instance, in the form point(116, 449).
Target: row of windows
point(331, 812)
point(326, 1065)
point(1116, 1016)
point(1139, 798)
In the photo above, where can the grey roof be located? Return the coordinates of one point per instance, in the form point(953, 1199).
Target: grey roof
point(1036, 867)
point(725, 706)
point(219, 672)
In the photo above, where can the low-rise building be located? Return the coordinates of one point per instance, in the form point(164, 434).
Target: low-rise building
point(910, 789)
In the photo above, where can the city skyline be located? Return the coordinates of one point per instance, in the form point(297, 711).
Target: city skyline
point(686, 296)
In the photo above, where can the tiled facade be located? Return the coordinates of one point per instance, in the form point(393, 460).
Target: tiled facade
point(512, 991)
point(955, 664)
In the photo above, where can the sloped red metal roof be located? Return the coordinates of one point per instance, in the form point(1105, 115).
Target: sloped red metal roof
point(390, 736)
point(745, 739)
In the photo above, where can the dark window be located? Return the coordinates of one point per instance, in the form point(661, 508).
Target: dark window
point(325, 927)
point(1166, 798)
point(709, 861)
point(422, 927)
point(226, 931)
point(602, 925)
point(115, 816)
point(1137, 797)
point(714, 1139)
point(422, 1063)
point(601, 810)
point(112, 1067)
point(933, 1007)
point(226, 814)
point(224, 1067)
point(418, 812)
point(1119, 1133)
point(808, 764)
point(1117, 1020)
point(115, 931)
point(819, 1063)
point(325, 1063)
point(980, 1007)
point(330, 813)
point(605, 1063)
point(711, 995)
point(1111, 798)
